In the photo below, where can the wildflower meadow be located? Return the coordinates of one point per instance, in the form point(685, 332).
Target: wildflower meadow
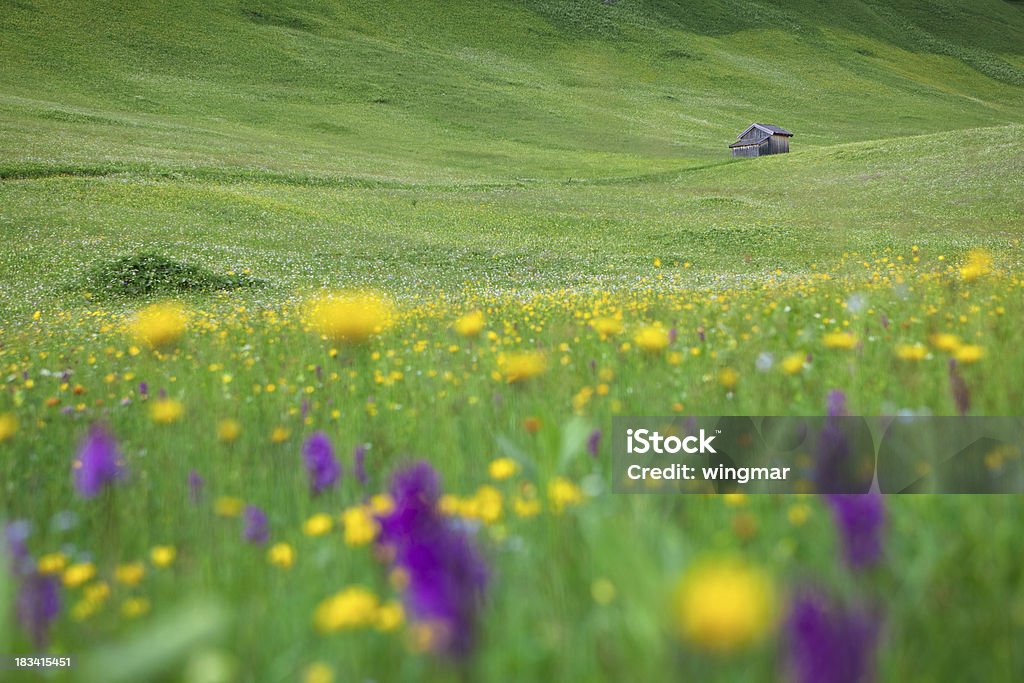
point(315, 319)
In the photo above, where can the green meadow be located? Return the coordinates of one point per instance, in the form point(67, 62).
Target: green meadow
point(537, 206)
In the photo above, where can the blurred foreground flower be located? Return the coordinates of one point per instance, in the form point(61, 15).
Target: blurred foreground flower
point(521, 366)
point(724, 605)
point(651, 338)
point(351, 317)
point(446, 576)
point(323, 468)
point(8, 426)
point(828, 643)
point(166, 411)
point(470, 325)
point(256, 528)
point(860, 519)
point(978, 264)
point(38, 606)
point(98, 463)
point(160, 325)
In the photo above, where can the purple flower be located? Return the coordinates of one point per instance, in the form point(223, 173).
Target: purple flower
point(447, 577)
point(594, 442)
point(958, 387)
point(98, 463)
point(257, 529)
point(359, 459)
point(143, 389)
point(836, 403)
point(323, 468)
point(16, 536)
point(38, 606)
point(829, 643)
point(195, 487)
point(860, 519)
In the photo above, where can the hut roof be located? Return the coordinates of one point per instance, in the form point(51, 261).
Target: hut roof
point(768, 128)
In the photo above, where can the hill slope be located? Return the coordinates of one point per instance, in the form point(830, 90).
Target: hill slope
point(431, 90)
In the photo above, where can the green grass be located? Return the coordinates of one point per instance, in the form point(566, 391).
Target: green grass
point(533, 160)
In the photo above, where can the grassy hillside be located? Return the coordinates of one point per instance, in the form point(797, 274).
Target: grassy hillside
point(431, 91)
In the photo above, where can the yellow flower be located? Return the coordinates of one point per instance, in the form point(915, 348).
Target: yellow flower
point(651, 338)
point(793, 363)
point(353, 607)
point(8, 426)
point(728, 378)
point(166, 410)
point(132, 608)
point(97, 593)
point(351, 317)
point(77, 574)
point(318, 525)
point(945, 341)
point(390, 616)
point(911, 352)
point(503, 468)
point(360, 526)
point(279, 435)
point(798, 514)
point(52, 563)
point(522, 365)
point(130, 574)
point(487, 504)
point(281, 555)
point(163, 555)
point(839, 340)
point(606, 327)
point(979, 264)
point(318, 672)
point(969, 353)
point(724, 605)
point(526, 507)
point(382, 503)
point(470, 325)
point(228, 430)
point(562, 493)
point(227, 506)
point(160, 325)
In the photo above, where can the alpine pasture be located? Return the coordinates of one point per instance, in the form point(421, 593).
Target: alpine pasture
point(314, 317)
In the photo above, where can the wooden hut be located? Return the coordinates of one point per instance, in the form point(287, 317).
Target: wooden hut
point(761, 139)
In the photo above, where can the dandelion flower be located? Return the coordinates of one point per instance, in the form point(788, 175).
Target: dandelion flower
point(166, 411)
point(160, 325)
point(8, 426)
point(502, 468)
point(722, 606)
point(78, 574)
point(945, 341)
point(360, 526)
point(728, 378)
point(163, 555)
point(651, 338)
point(793, 363)
point(351, 608)
point(979, 264)
point(318, 525)
point(390, 617)
point(133, 608)
point(318, 672)
point(911, 352)
point(607, 326)
point(228, 430)
point(523, 365)
point(839, 340)
point(969, 353)
point(470, 325)
point(281, 555)
point(351, 317)
point(563, 494)
point(228, 506)
point(130, 574)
